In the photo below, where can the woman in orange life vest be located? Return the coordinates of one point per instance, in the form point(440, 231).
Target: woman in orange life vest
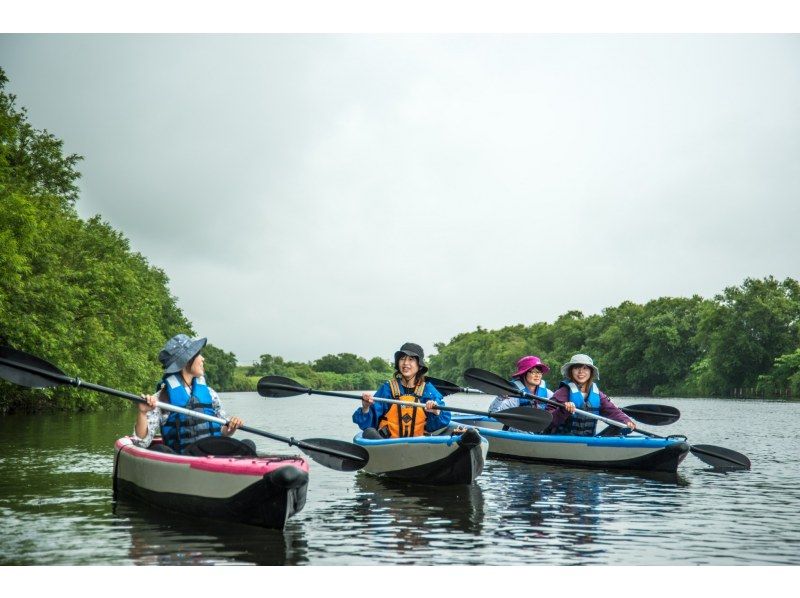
point(183, 384)
point(383, 420)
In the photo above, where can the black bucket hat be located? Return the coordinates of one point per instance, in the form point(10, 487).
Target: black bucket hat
point(413, 350)
point(179, 351)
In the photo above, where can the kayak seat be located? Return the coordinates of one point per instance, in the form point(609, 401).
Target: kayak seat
point(373, 434)
point(221, 446)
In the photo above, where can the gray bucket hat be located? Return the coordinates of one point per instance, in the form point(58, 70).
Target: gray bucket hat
point(179, 351)
point(413, 350)
point(580, 359)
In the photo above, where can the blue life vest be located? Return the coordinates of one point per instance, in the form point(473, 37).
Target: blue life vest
point(576, 424)
point(181, 430)
point(541, 391)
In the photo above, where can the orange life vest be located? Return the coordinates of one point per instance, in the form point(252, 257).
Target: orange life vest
point(403, 422)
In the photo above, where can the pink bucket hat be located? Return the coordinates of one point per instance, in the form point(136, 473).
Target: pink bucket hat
point(528, 362)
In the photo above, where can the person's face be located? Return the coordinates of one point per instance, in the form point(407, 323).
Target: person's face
point(196, 368)
point(581, 373)
point(408, 366)
point(533, 376)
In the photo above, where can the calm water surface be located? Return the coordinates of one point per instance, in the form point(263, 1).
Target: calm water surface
point(56, 501)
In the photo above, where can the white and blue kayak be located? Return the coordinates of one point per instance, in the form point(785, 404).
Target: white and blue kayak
point(631, 452)
point(441, 460)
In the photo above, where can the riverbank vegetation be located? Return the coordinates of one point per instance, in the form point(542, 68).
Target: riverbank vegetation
point(743, 342)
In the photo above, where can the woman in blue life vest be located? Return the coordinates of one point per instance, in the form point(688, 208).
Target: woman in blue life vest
point(528, 379)
point(579, 390)
point(184, 385)
point(382, 420)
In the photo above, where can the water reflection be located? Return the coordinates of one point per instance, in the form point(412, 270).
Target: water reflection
point(161, 538)
point(562, 515)
point(56, 507)
point(413, 518)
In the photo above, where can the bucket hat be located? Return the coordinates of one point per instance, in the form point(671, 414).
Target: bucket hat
point(179, 351)
point(528, 362)
point(413, 350)
point(580, 359)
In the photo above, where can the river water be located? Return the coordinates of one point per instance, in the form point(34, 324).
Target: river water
point(56, 503)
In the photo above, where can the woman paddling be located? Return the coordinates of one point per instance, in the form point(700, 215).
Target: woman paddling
point(184, 385)
point(382, 420)
point(579, 390)
point(528, 379)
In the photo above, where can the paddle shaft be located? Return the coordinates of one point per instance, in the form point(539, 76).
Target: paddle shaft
point(78, 383)
point(329, 393)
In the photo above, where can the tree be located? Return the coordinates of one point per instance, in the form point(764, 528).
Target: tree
point(220, 367)
point(743, 331)
point(343, 363)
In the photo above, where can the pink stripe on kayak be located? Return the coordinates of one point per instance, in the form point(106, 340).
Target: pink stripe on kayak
point(256, 467)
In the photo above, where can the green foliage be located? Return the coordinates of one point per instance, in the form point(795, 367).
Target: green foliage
point(784, 375)
point(333, 372)
point(343, 363)
point(744, 332)
point(220, 367)
point(746, 337)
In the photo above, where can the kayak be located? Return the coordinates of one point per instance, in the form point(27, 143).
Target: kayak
point(263, 491)
point(631, 452)
point(435, 460)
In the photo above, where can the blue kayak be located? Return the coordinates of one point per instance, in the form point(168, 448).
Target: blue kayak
point(631, 452)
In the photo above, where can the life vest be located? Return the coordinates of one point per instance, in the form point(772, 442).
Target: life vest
point(541, 391)
point(403, 422)
point(577, 424)
point(181, 430)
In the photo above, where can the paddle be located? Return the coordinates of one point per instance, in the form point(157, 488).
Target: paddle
point(716, 456)
point(655, 415)
point(522, 418)
point(28, 370)
point(449, 388)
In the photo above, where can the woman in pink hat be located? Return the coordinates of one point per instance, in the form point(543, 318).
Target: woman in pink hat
point(528, 379)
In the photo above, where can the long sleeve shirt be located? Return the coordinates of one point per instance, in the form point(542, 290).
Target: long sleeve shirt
point(504, 402)
point(377, 410)
point(157, 417)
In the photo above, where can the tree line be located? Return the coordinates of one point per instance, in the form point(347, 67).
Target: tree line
point(747, 337)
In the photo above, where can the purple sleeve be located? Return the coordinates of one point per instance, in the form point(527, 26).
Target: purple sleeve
point(611, 411)
point(559, 415)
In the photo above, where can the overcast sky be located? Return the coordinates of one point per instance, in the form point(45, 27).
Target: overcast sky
point(314, 194)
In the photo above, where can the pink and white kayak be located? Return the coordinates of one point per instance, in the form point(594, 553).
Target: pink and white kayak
point(263, 491)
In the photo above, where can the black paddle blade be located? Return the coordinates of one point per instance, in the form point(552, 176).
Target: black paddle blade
point(335, 454)
point(443, 386)
point(278, 386)
point(652, 414)
point(489, 383)
point(720, 457)
point(13, 368)
point(527, 419)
